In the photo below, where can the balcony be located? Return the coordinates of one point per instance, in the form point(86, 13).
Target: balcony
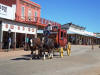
point(36, 21)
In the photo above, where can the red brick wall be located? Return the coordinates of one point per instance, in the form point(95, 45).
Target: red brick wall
point(28, 5)
point(8, 2)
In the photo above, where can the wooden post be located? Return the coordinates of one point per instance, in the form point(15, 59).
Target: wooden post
point(25, 42)
point(92, 44)
point(1, 39)
point(15, 41)
point(1, 36)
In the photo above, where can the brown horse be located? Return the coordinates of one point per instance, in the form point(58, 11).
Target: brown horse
point(36, 44)
point(46, 45)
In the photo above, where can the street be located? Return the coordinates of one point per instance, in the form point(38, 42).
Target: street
point(83, 61)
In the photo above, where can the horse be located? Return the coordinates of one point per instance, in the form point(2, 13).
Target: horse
point(35, 44)
point(44, 45)
point(48, 46)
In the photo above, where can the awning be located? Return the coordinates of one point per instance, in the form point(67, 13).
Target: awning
point(81, 32)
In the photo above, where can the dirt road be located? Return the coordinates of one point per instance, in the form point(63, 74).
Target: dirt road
point(83, 61)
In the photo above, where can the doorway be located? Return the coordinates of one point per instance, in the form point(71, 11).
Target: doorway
point(20, 40)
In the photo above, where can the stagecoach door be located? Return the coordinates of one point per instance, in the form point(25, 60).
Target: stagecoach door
point(62, 38)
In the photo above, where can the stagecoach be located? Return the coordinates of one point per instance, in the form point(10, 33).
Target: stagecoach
point(59, 36)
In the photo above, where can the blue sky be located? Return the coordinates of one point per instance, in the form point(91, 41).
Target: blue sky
point(84, 13)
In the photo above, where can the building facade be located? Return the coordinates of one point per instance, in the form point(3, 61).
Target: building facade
point(79, 36)
point(20, 19)
point(27, 10)
point(16, 15)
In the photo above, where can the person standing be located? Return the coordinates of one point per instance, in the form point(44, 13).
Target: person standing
point(27, 43)
point(9, 43)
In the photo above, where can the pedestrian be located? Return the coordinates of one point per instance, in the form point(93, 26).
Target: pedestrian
point(27, 43)
point(9, 43)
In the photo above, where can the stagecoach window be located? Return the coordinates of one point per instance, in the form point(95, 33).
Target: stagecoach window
point(55, 27)
point(61, 35)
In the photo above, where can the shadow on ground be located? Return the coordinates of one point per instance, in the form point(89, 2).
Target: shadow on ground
point(28, 57)
point(21, 59)
point(25, 57)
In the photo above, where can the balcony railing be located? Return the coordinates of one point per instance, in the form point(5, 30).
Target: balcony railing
point(36, 21)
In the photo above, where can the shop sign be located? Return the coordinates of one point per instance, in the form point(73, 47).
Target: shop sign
point(19, 29)
point(3, 9)
point(7, 12)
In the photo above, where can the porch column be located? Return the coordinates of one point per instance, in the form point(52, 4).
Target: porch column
point(14, 39)
point(81, 39)
point(25, 41)
point(76, 39)
point(85, 40)
point(1, 38)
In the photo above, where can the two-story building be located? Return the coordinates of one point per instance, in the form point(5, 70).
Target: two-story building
point(13, 14)
point(20, 19)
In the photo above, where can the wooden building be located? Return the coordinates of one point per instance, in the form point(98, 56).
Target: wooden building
point(79, 36)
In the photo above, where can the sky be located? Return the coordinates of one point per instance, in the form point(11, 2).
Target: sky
point(84, 13)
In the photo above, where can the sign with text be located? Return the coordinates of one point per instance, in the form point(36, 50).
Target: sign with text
point(3, 9)
point(19, 28)
point(7, 12)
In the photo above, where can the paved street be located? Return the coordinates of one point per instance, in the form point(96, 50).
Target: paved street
point(83, 61)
